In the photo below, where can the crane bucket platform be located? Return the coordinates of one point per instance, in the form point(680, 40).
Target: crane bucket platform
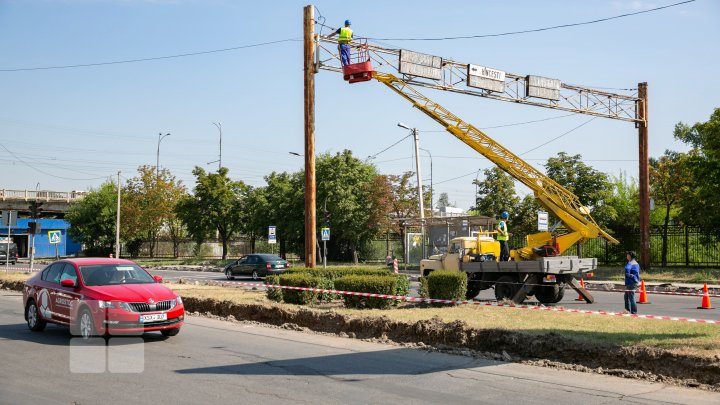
point(360, 68)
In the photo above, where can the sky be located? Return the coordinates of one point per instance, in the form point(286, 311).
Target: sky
point(73, 128)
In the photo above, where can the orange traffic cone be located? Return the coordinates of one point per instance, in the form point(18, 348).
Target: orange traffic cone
point(705, 299)
point(580, 297)
point(643, 294)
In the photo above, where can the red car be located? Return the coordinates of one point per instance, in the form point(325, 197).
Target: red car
point(100, 296)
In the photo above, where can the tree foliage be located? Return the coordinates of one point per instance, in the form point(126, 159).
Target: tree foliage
point(496, 193)
point(591, 186)
point(92, 219)
point(701, 205)
point(216, 206)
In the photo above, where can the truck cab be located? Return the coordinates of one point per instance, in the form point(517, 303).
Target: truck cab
point(479, 248)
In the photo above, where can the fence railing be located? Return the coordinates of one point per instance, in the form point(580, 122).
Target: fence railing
point(686, 246)
point(32, 195)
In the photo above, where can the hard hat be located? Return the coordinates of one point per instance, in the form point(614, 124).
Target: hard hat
point(504, 215)
point(347, 22)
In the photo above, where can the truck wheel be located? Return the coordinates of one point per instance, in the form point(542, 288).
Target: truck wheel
point(505, 288)
point(473, 289)
point(549, 294)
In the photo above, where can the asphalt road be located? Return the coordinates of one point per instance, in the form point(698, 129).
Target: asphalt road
point(213, 361)
point(670, 305)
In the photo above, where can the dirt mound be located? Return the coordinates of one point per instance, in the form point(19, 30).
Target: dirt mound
point(627, 361)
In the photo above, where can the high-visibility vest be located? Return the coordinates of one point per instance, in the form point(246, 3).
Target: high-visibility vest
point(502, 235)
point(345, 35)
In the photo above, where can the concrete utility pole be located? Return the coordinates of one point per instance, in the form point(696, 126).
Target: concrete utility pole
point(644, 176)
point(421, 203)
point(157, 159)
point(432, 206)
point(219, 127)
point(117, 221)
point(310, 197)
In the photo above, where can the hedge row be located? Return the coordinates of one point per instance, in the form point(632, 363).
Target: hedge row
point(447, 285)
point(387, 285)
point(379, 281)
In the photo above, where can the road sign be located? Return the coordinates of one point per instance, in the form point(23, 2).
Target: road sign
point(325, 233)
point(9, 218)
point(542, 87)
point(485, 78)
point(55, 237)
point(420, 64)
point(271, 235)
point(542, 221)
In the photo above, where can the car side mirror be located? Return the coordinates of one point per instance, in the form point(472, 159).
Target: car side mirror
point(158, 279)
point(68, 283)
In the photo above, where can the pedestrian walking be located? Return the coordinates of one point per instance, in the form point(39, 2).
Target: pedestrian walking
point(632, 280)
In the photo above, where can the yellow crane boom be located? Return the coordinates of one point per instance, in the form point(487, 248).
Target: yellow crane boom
point(554, 197)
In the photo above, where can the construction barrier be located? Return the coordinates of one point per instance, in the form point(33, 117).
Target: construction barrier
point(478, 303)
point(643, 294)
point(705, 303)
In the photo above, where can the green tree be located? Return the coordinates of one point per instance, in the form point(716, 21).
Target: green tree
point(149, 205)
point(92, 219)
point(356, 200)
point(216, 205)
point(669, 183)
point(496, 193)
point(403, 201)
point(591, 186)
point(523, 220)
point(624, 201)
point(280, 203)
point(701, 205)
point(444, 201)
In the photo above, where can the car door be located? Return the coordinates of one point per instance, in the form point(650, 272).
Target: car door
point(236, 268)
point(66, 299)
point(46, 291)
point(250, 265)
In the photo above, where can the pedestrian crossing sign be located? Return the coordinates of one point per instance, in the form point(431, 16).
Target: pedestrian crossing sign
point(55, 237)
point(325, 233)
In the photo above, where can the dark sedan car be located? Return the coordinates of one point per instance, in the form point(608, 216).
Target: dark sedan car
point(256, 266)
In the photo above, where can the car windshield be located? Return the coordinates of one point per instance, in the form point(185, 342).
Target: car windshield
point(3, 247)
point(112, 274)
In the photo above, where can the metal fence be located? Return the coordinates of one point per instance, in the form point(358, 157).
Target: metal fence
point(687, 246)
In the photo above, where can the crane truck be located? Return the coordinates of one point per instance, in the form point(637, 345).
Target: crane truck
point(537, 269)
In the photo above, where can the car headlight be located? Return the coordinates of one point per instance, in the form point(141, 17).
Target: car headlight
point(125, 306)
point(106, 304)
point(178, 301)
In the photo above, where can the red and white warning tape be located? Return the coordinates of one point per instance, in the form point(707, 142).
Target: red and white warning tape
point(688, 294)
point(479, 303)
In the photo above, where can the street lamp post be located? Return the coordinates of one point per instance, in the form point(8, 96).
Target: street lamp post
point(157, 159)
point(432, 207)
point(476, 187)
point(219, 127)
point(419, 182)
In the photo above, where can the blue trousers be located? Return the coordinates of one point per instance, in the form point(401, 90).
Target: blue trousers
point(630, 304)
point(344, 53)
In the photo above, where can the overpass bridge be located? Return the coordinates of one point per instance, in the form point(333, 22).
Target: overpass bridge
point(55, 203)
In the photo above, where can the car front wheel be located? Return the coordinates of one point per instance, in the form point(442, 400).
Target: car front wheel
point(85, 325)
point(34, 321)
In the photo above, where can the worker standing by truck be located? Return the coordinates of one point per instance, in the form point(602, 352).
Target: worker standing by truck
point(345, 36)
point(502, 236)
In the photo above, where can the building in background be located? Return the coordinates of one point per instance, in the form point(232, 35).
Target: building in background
point(43, 248)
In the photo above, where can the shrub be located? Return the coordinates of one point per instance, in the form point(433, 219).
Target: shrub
point(333, 273)
point(447, 285)
point(403, 284)
point(274, 294)
point(423, 290)
point(308, 281)
point(368, 284)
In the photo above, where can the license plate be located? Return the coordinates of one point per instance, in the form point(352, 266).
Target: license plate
point(153, 318)
point(279, 266)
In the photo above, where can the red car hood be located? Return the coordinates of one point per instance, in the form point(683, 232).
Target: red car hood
point(130, 292)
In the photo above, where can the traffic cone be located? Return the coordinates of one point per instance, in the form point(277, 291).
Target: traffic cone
point(580, 297)
point(705, 299)
point(643, 294)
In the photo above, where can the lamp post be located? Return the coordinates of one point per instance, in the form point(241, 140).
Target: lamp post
point(219, 127)
point(419, 182)
point(432, 207)
point(157, 159)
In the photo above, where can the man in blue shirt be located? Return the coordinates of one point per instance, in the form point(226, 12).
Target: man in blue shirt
point(632, 279)
point(345, 37)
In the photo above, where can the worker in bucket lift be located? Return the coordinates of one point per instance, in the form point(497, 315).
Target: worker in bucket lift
point(502, 236)
point(345, 36)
